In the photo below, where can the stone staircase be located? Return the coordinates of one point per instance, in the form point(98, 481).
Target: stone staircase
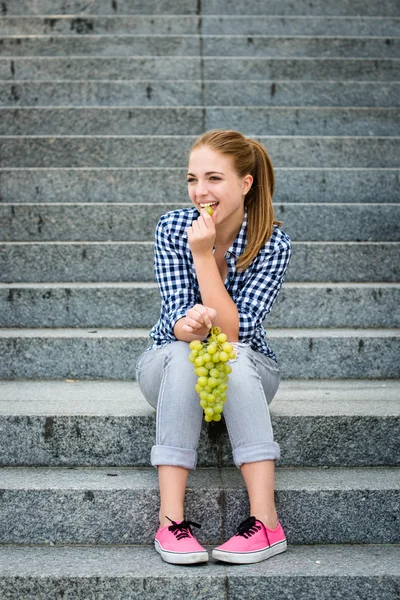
point(100, 101)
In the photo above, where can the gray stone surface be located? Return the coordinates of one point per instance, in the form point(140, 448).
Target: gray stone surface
point(209, 25)
point(112, 353)
point(99, 423)
point(301, 7)
point(279, 46)
point(102, 46)
point(138, 305)
point(252, 121)
point(137, 573)
point(215, 68)
point(125, 93)
point(355, 69)
point(117, 68)
point(133, 261)
point(303, 121)
point(189, 45)
point(348, 501)
point(286, 25)
point(99, 7)
point(137, 222)
point(172, 151)
point(109, 121)
point(280, 93)
point(123, 24)
point(84, 505)
point(169, 185)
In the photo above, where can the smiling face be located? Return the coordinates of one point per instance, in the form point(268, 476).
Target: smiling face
point(212, 180)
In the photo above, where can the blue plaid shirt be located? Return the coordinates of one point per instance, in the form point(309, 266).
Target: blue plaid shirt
point(254, 290)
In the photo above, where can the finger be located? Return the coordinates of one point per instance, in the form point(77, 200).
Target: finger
point(200, 314)
point(212, 313)
point(193, 323)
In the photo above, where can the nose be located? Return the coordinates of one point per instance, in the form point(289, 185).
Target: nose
point(201, 188)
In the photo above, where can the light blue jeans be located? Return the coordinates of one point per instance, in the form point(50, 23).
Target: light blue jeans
point(167, 381)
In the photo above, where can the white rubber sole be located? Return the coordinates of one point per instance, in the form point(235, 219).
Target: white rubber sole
point(181, 558)
point(247, 558)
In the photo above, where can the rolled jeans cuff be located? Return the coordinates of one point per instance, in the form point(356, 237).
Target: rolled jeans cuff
point(174, 457)
point(256, 452)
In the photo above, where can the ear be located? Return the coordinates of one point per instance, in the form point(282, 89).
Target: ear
point(247, 183)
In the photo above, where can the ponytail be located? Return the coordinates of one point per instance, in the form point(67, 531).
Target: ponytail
point(258, 202)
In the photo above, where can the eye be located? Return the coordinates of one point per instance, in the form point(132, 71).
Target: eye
point(190, 180)
point(215, 177)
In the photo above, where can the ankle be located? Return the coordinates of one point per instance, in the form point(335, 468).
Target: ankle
point(270, 520)
point(174, 516)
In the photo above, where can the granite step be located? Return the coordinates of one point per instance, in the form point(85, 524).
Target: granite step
point(137, 45)
point(226, 93)
point(303, 305)
point(108, 423)
point(106, 506)
point(164, 68)
point(193, 24)
point(253, 121)
point(162, 185)
point(112, 353)
point(300, 7)
point(138, 573)
point(101, 7)
point(212, 7)
point(137, 222)
point(211, 45)
point(161, 68)
point(133, 261)
point(172, 151)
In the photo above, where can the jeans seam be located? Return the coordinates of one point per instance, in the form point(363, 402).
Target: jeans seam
point(159, 402)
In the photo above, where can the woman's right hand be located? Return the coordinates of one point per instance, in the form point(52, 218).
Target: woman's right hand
point(199, 319)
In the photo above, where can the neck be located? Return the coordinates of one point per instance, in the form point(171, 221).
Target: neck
point(227, 232)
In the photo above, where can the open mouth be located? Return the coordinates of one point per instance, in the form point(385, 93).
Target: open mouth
point(212, 204)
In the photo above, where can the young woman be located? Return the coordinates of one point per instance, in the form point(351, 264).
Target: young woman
point(222, 270)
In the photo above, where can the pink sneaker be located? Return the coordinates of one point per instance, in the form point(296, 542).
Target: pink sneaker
point(177, 545)
point(252, 543)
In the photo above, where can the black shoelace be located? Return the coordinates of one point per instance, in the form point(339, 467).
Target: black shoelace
point(182, 530)
point(248, 527)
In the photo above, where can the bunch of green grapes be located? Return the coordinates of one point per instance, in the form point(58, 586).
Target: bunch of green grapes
point(210, 360)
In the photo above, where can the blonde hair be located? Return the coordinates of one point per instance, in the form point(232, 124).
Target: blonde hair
point(249, 157)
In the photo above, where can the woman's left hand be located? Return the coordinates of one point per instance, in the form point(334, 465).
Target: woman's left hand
point(201, 234)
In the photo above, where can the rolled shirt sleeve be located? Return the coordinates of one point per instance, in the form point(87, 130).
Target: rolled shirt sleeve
point(174, 279)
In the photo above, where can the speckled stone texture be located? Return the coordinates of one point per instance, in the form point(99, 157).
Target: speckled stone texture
point(132, 185)
point(329, 573)
point(116, 46)
point(165, 68)
point(301, 7)
point(115, 93)
point(99, 7)
point(172, 151)
point(115, 68)
point(99, 506)
point(301, 68)
point(122, 121)
point(194, 120)
point(345, 423)
point(110, 305)
point(133, 261)
point(172, 93)
point(191, 24)
point(137, 221)
point(112, 354)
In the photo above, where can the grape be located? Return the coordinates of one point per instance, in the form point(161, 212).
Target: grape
point(210, 210)
point(210, 361)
